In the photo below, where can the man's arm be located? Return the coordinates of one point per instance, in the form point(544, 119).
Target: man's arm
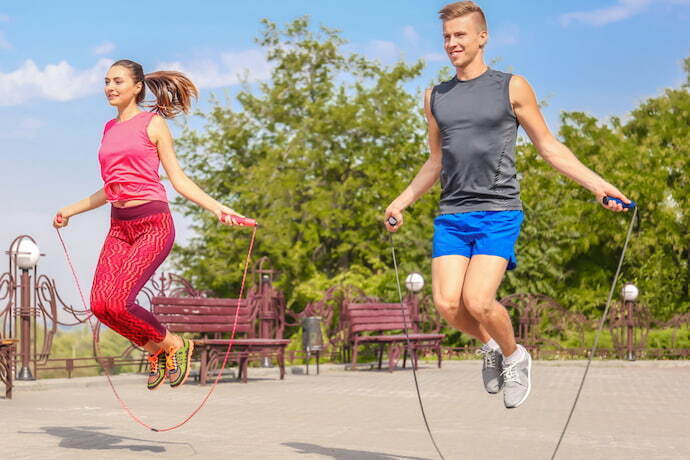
point(427, 175)
point(558, 155)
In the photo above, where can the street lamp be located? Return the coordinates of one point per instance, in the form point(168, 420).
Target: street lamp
point(26, 255)
point(629, 294)
point(414, 282)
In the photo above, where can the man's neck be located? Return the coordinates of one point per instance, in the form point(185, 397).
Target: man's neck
point(471, 70)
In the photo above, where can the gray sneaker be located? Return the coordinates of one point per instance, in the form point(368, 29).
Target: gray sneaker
point(491, 369)
point(517, 377)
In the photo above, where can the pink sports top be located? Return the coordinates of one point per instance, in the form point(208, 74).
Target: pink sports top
point(129, 161)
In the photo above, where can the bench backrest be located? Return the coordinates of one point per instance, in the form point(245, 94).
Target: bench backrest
point(375, 316)
point(202, 315)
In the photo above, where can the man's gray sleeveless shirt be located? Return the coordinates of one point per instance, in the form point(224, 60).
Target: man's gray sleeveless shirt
point(478, 134)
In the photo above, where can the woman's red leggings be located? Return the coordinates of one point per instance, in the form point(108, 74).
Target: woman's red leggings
point(139, 240)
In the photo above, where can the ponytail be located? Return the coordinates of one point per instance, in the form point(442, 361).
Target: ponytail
point(173, 91)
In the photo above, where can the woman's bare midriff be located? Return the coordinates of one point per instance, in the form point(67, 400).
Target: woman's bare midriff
point(130, 203)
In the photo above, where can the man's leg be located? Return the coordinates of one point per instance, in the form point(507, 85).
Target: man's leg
point(482, 279)
point(447, 275)
point(484, 275)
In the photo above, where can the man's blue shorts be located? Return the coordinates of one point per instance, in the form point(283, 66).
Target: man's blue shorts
point(492, 233)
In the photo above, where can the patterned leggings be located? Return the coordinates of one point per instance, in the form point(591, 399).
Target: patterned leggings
point(139, 240)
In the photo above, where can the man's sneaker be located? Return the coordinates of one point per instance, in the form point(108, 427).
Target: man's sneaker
point(517, 377)
point(156, 370)
point(491, 369)
point(178, 362)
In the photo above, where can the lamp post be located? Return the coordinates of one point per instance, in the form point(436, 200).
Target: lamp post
point(26, 254)
point(629, 294)
point(414, 282)
point(265, 313)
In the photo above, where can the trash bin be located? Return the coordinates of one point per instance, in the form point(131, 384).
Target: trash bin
point(312, 340)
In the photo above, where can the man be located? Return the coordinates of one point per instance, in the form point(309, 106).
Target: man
point(472, 124)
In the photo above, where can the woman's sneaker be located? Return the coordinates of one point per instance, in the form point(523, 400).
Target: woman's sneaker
point(492, 369)
point(178, 362)
point(156, 370)
point(518, 379)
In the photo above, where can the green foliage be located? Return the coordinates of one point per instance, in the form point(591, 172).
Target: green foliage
point(315, 154)
point(77, 342)
point(570, 250)
point(318, 151)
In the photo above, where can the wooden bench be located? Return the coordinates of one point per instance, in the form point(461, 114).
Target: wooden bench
point(213, 320)
point(379, 318)
point(7, 350)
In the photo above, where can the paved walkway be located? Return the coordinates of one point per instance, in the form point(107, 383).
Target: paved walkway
point(627, 410)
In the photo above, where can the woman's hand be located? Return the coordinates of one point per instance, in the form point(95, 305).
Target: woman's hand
point(227, 216)
point(61, 219)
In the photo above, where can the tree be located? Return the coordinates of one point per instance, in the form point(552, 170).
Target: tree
point(318, 151)
point(315, 154)
point(570, 250)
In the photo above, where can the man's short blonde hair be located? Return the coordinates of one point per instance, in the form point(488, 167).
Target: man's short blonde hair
point(458, 9)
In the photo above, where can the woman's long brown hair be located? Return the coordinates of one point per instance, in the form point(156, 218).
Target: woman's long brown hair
point(173, 90)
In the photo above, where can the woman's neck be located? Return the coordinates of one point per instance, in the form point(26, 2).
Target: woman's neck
point(128, 112)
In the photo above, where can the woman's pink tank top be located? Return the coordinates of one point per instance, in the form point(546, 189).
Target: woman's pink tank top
point(129, 161)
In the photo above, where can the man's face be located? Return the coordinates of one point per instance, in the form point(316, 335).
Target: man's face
point(463, 37)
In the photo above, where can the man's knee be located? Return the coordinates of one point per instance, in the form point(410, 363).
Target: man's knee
point(479, 307)
point(448, 306)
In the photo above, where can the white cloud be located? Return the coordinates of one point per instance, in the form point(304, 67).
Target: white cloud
point(103, 48)
point(411, 35)
point(62, 82)
point(505, 36)
point(623, 9)
point(435, 57)
point(22, 128)
point(385, 51)
point(226, 70)
point(4, 44)
point(58, 82)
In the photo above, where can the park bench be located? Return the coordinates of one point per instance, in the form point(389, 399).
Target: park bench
point(213, 320)
point(373, 322)
point(7, 350)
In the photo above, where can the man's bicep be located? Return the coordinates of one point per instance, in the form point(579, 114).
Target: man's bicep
point(527, 111)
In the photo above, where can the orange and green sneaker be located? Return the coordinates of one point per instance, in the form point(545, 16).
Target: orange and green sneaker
point(156, 370)
point(178, 363)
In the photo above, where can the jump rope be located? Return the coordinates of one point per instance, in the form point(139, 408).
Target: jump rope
point(242, 221)
point(392, 221)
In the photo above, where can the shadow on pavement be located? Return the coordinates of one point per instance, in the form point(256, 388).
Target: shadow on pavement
point(345, 454)
point(91, 438)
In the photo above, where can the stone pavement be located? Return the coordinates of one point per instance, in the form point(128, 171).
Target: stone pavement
point(627, 410)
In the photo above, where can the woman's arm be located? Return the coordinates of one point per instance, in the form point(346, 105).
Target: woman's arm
point(554, 152)
point(427, 175)
point(160, 135)
point(96, 200)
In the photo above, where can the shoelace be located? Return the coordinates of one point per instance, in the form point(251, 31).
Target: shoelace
point(171, 359)
point(153, 363)
point(489, 357)
point(510, 373)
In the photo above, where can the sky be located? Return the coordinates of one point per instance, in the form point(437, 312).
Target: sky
point(602, 57)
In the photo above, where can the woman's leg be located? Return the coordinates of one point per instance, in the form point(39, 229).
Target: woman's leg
point(133, 250)
point(152, 239)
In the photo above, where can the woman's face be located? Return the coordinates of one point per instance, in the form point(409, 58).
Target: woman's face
point(120, 88)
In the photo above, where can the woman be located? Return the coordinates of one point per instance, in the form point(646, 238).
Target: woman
point(141, 228)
